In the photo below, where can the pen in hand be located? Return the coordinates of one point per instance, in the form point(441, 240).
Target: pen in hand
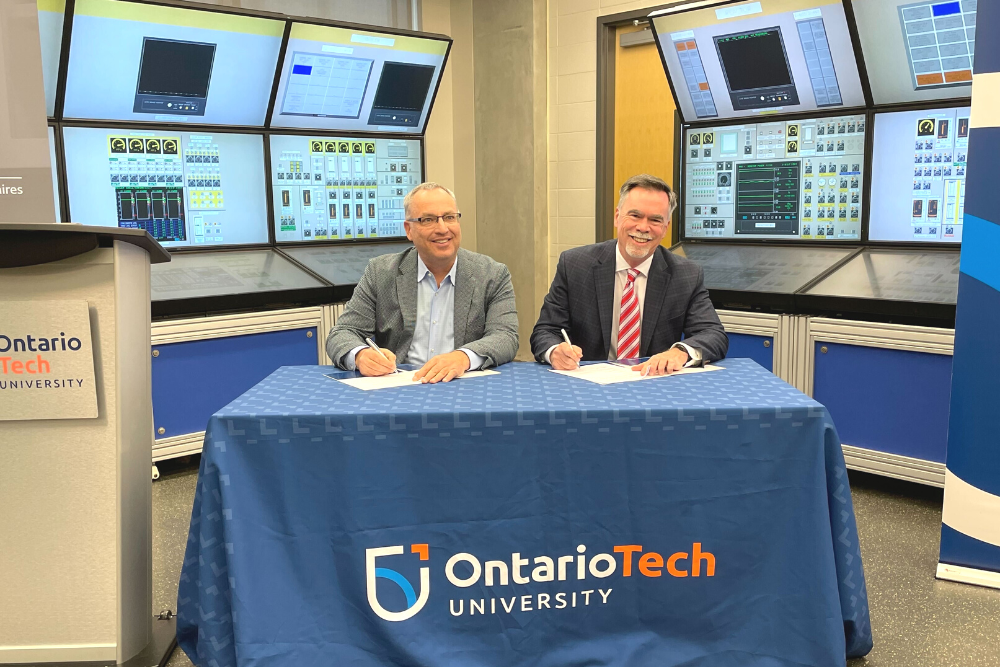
point(566, 339)
point(370, 343)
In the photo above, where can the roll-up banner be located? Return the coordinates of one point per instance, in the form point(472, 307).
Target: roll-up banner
point(25, 173)
point(970, 534)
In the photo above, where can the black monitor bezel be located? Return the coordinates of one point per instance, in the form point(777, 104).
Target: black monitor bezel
point(287, 20)
point(680, 156)
point(684, 7)
point(400, 32)
point(869, 93)
point(297, 132)
point(894, 108)
point(174, 4)
point(145, 127)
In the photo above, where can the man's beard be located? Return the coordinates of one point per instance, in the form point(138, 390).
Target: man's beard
point(636, 252)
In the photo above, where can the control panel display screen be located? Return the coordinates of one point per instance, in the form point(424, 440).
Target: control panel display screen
point(781, 180)
point(355, 80)
point(340, 188)
point(768, 56)
point(140, 62)
point(917, 51)
point(918, 175)
point(50, 29)
point(184, 188)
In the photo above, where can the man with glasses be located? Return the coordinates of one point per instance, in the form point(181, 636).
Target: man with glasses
point(630, 297)
point(435, 305)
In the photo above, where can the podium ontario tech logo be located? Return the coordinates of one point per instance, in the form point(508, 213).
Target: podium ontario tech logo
point(414, 602)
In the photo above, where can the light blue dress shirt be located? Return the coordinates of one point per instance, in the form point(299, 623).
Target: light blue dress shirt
point(434, 332)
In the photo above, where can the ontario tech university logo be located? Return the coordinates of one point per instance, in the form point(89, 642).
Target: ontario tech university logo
point(414, 602)
point(562, 575)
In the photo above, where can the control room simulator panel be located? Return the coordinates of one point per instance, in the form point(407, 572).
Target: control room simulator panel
point(780, 180)
point(918, 175)
point(341, 188)
point(185, 189)
point(753, 58)
point(917, 51)
point(139, 62)
point(357, 81)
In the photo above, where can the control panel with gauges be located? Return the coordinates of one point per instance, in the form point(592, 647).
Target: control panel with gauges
point(794, 179)
point(918, 175)
point(184, 188)
point(327, 188)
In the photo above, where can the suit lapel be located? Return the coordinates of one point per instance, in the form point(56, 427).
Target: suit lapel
point(406, 294)
point(604, 284)
point(656, 291)
point(465, 288)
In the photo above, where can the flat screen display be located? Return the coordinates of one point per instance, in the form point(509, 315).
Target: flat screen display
point(138, 62)
point(341, 188)
point(759, 58)
point(916, 51)
point(184, 188)
point(355, 80)
point(918, 175)
point(50, 29)
point(781, 180)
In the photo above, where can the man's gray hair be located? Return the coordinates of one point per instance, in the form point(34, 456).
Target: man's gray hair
point(429, 185)
point(647, 182)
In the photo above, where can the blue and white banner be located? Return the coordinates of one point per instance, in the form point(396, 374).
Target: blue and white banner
point(970, 536)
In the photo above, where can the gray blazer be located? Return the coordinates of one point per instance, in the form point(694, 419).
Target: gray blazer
point(384, 306)
point(581, 298)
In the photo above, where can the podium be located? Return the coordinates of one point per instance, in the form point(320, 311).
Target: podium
point(75, 493)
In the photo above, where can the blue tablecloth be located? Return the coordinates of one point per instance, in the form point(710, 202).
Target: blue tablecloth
point(523, 519)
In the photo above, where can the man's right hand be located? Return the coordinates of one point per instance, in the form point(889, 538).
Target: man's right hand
point(371, 364)
point(565, 357)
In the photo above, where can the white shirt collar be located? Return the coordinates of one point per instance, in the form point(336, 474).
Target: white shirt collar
point(422, 270)
point(622, 265)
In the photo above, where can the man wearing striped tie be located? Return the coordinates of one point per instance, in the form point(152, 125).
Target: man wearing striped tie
point(630, 297)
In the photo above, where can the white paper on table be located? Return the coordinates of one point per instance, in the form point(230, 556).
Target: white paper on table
point(401, 379)
point(612, 374)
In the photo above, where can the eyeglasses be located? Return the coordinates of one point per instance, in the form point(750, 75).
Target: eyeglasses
point(428, 220)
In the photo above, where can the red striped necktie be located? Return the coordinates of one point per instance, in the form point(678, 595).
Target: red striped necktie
point(629, 320)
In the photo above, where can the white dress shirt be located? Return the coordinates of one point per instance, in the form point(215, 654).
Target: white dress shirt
point(639, 285)
point(434, 331)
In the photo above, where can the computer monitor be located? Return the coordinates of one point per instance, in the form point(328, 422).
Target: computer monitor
point(141, 62)
point(917, 50)
point(779, 180)
point(918, 175)
point(342, 79)
point(50, 30)
point(341, 188)
point(759, 58)
point(184, 188)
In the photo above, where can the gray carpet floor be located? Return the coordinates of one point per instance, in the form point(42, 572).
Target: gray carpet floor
point(917, 620)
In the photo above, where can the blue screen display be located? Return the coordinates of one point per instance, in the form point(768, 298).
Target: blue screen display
point(947, 8)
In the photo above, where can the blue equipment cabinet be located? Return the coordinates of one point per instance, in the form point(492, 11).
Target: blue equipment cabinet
point(194, 379)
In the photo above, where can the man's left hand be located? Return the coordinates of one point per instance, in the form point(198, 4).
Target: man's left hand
point(664, 363)
point(443, 368)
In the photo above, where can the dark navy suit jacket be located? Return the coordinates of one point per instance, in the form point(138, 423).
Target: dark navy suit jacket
point(581, 298)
